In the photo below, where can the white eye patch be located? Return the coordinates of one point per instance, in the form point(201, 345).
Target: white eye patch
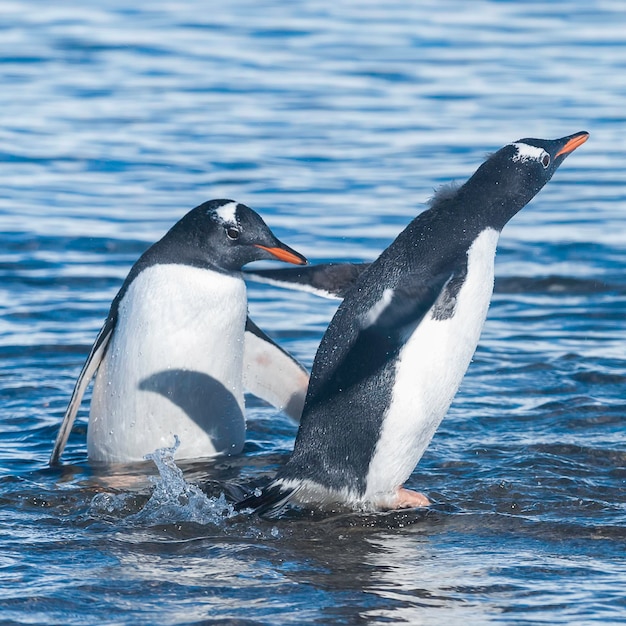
point(526, 152)
point(228, 213)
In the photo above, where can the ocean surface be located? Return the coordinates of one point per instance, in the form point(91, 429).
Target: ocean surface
point(335, 120)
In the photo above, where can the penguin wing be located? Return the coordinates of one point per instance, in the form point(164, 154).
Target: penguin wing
point(329, 280)
point(406, 305)
point(353, 350)
point(272, 374)
point(89, 369)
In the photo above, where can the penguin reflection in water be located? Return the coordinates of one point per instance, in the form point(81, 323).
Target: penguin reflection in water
point(398, 347)
point(177, 347)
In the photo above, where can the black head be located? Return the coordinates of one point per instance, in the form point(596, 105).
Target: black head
point(225, 235)
point(512, 176)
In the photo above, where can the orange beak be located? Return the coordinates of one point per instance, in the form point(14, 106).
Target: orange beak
point(573, 143)
point(289, 256)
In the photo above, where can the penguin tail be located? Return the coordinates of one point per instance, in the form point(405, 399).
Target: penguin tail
point(269, 501)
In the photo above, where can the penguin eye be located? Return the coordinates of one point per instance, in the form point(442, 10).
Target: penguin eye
point(545, 160)
point(232, 232)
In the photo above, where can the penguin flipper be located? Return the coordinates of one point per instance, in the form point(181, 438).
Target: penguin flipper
point(329, 280)
point(408, 304)
point(362, 349)
point(272, 374)
point(89, 369)
point(270, 502)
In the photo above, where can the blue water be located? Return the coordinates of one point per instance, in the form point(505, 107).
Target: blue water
point(335, 120)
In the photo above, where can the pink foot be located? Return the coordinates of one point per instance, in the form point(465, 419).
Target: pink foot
point(407, 499)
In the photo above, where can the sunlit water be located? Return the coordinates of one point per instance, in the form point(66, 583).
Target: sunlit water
point(335, 120)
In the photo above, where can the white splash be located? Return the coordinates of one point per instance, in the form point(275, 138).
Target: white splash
point(176, 500)
point(173, 499)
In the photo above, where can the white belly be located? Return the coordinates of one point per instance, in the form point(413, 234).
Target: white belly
point(173, 367)
point(429, 371)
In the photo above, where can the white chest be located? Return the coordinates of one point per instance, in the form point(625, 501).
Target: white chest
point(429, 371)
point(173, 367)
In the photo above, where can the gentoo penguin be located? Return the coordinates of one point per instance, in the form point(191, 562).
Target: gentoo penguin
point(177, 348)
point(399, 344)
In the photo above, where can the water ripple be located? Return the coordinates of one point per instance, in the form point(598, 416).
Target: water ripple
point(336, 121)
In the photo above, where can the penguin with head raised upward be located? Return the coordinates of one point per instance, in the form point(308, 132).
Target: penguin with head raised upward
point(177, 348)
point(397, 349)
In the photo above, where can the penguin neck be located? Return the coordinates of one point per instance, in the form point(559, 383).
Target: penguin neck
point(490, 200)
point(173, 250)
